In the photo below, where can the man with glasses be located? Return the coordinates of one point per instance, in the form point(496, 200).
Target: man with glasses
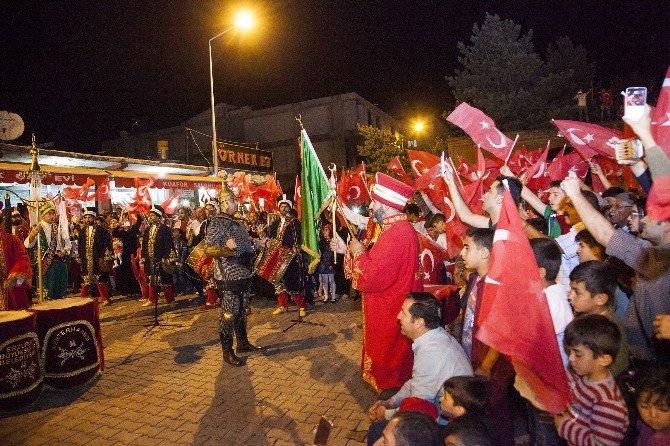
point(620, 207)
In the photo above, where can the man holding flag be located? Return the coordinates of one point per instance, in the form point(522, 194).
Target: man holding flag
point(385, 274)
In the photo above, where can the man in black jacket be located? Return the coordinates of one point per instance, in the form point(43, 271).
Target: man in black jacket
point(95, 254)
point(158, 256)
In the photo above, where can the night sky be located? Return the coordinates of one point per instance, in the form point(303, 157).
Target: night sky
point(79, 72)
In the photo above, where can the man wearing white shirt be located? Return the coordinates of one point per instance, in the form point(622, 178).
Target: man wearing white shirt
point(437, 357)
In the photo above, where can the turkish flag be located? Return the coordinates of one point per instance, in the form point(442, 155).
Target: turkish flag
point(297, 198)
point(660, 116)
point(103, 192)
point(481, 129)
point(560, 168)
point(269, 192)
point(171, 203)
point(588, 139)
point(421, 162)
point(612, 171)
point(396, 167)
point(537, 168)
point(239, 186)
point(358, 187)
point(514, 316)
point(141, 202)
point(518, 161)
point(431, 260)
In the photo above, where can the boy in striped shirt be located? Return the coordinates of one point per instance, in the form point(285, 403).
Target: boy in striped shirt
point(597, 414)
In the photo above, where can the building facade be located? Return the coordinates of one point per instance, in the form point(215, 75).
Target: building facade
point(330, 122)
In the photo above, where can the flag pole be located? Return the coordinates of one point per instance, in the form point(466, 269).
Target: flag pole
point(333, 185)
point(458, 177)
point(511, 149)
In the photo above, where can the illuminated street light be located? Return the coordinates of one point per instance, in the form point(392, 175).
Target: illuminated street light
point(244, 21)
point(419, 126)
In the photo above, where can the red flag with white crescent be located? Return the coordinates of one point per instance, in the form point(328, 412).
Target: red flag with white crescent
point(660, 116)
point(103, 192)
point(297, 198)
point(587, 139)
point(396, 167)
point(481, 129)
point(431, 260)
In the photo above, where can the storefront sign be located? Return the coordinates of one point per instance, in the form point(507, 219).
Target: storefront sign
point(244, 158)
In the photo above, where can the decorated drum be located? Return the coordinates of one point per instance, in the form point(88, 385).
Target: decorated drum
point(273, 261)
point(200, 263)
point(21, 373)
point(69, 332)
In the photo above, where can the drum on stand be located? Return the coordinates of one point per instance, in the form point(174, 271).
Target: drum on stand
point(21, 372)
point(69, 332)
point(273, 261)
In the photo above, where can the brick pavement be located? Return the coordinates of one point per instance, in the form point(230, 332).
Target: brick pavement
point(171, 387)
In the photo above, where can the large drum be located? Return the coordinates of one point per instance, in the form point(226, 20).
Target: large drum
point(273, 261)
point(69, 332)
point(200, 263)
point(21, 373)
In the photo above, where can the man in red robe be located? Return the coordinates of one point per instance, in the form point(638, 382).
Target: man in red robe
point(15, 273)
point(385, 274)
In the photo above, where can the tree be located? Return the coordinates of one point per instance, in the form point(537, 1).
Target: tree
point(500, 73)
point(503, 76)
point(379, 146)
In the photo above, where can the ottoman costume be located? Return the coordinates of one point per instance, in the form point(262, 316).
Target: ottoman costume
point(54, 266)
point(95, 254)
point(385, 274)
point(15, 273)
point(292, 284)
point(159, 258)
point(232, 273)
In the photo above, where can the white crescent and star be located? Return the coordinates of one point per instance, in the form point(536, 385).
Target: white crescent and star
point(357, 190)
point(588, 137)
point(502, 142)
point(416, 169)
point(452, 211)
point(428, 252)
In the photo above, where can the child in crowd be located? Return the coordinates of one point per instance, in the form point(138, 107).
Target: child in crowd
point(325, 268)
point(466, 431)
point(597, 413)
point(485, 360)
point(463, 396)
point(592, 288)
point(653, 405)
point(548, 256)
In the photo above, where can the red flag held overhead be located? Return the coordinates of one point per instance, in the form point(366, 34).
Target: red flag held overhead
point(481, 129)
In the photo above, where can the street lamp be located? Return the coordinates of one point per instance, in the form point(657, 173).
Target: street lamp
point(244, 20)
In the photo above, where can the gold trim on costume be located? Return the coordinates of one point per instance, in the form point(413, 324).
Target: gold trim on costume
point(3, 275)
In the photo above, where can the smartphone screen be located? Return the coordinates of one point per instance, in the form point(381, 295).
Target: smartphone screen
point(636, 98)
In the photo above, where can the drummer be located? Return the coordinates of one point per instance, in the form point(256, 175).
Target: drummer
point(15, 273)
point(211, 211)
point(158, 257)
point(54, 261)
point(95, 255)
point(287, 230)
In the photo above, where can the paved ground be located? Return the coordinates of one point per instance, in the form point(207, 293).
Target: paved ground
point(171, 388)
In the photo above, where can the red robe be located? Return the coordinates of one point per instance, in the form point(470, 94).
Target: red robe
point(385, 274)
point(14, 262)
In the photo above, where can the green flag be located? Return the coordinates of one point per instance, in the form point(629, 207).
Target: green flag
point(315, 196)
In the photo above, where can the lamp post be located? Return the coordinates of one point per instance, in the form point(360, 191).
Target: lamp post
point(243, 21)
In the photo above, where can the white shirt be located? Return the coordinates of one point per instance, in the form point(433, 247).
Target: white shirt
point(570, 259)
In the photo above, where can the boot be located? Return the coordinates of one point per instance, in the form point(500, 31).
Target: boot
point(103, 289)
point(243, 344)
point(84, 291)
point(228, 353)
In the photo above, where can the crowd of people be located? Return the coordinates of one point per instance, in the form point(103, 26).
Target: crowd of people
point(604, 263)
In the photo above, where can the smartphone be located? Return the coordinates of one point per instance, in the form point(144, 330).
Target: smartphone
point(636, 98)
point(629, 149)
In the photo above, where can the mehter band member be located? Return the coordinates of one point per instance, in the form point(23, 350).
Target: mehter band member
point(95, 254)
point(228, 242)
point(158, 257)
